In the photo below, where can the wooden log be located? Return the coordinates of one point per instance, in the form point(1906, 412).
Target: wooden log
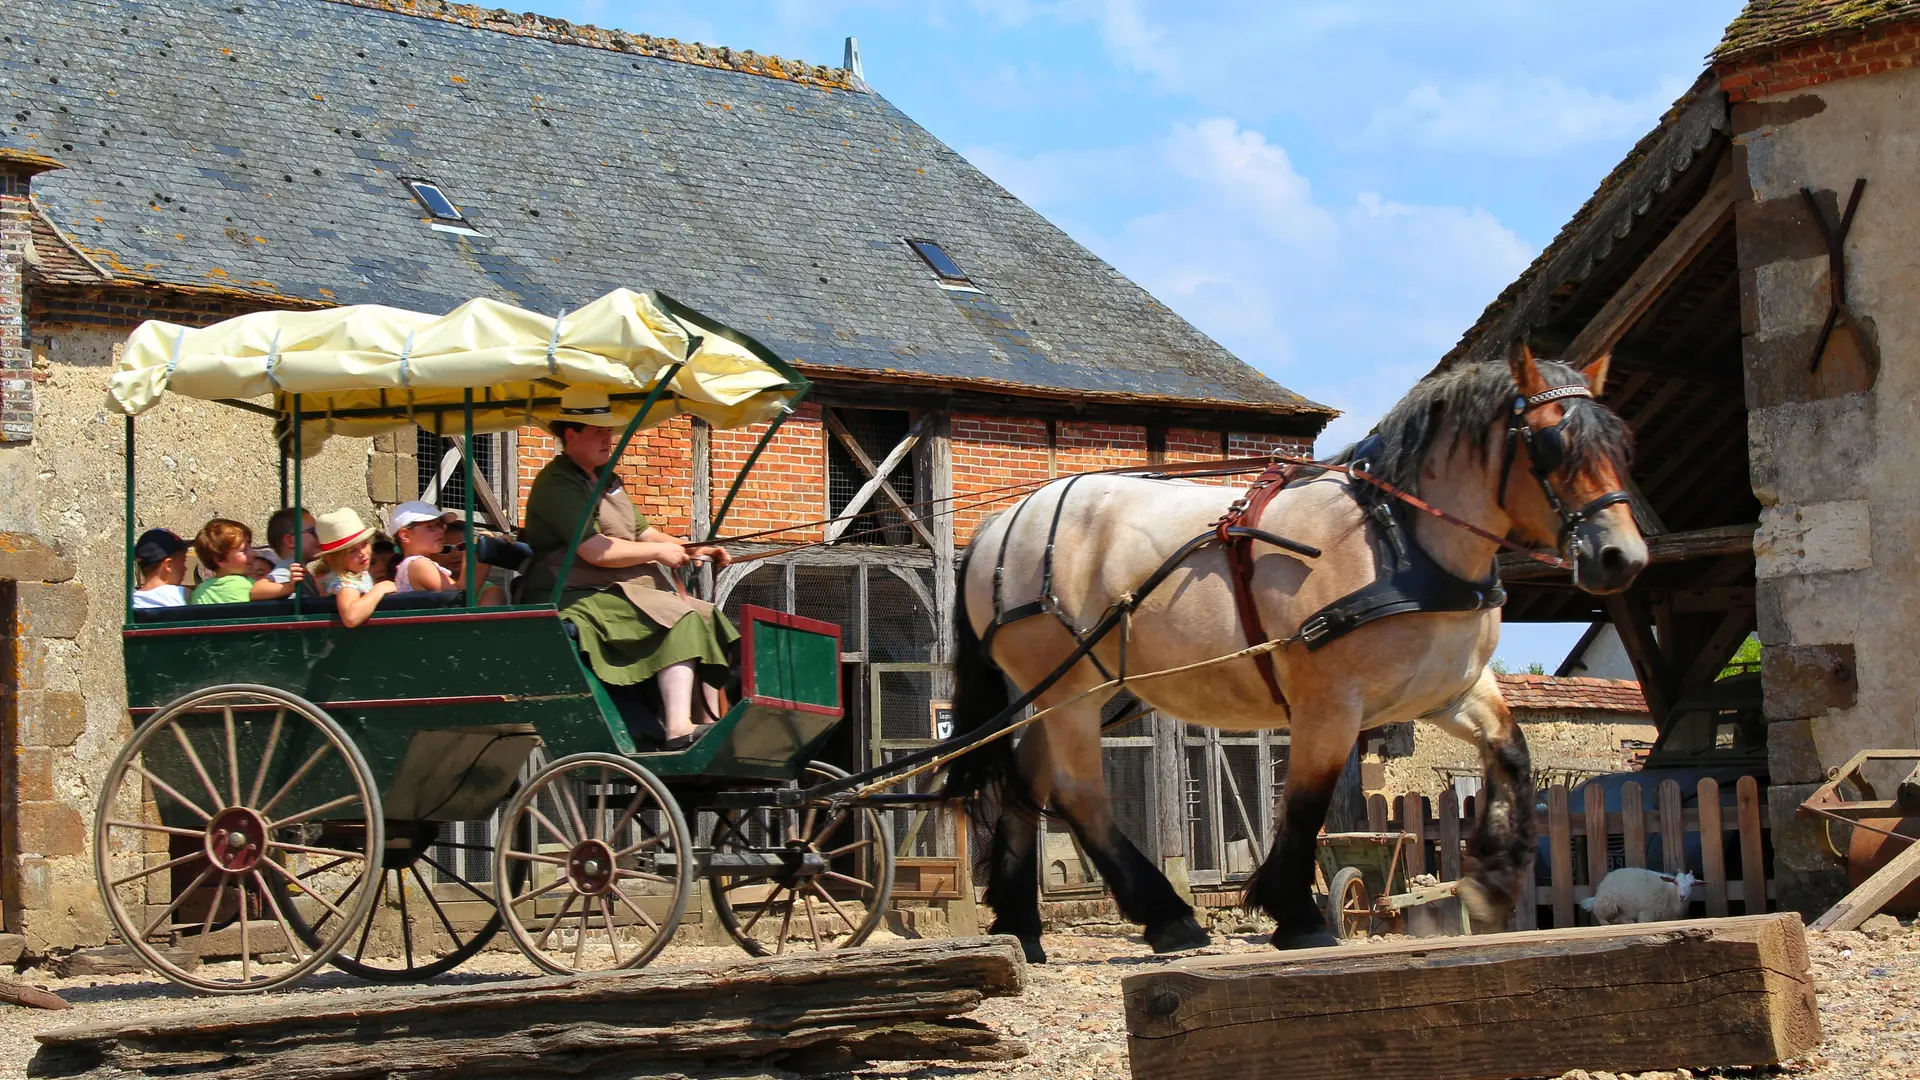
point(807, 1012)
point(32, 997)
point(1709, 992)
point(1664, 548)
point(1713, 857)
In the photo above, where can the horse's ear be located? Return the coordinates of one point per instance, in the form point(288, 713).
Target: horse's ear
point(1526, 374)
point(1596, 372)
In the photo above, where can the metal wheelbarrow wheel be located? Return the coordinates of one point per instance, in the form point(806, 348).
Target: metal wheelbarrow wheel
point(1349, 908)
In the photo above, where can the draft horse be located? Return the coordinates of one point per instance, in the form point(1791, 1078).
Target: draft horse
point(1393, 620)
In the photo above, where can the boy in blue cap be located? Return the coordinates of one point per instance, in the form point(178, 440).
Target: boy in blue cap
point(161, 558)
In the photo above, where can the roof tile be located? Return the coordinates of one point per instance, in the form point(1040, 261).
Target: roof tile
point(1766, 25)
point(1560, 693)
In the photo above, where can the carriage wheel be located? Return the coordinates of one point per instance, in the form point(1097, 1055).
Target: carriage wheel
point(434, 880)
point(832, 888)
point(223, 816)
point(1348, 903)
point(605, 855)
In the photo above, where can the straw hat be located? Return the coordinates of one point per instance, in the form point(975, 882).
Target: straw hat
point(589, 407)
point(339, 530)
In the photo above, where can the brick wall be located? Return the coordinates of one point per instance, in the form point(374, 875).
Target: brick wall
point(788, 484)
point(1241, 444)
point(657, 470)
point(16, 360)
point(1080, 446)
point(1888, 48)
point(990, 452)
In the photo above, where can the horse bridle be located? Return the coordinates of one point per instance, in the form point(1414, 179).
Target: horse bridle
point(1547, 454)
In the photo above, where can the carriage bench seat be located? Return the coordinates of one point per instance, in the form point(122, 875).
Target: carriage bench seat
point(310, 605)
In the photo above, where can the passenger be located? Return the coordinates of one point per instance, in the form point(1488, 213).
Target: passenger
point(385, 554)
point(280, 538)
point(224, 549)
point(421, 531)
point(260, 563)
point(632, 625)
point(161, 558)
point(346, 546)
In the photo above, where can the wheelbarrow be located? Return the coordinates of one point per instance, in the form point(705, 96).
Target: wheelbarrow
point(1360, 872)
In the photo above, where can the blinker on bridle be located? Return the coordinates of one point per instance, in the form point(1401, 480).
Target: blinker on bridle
point(1547, 454)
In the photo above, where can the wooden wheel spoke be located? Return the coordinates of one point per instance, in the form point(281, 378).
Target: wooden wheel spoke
point(600, 814)
point(606, 914)
point(835, 905)
point(547, 824)
point(219, 893)
point(348, 891)
point(299, 774)
point(837, 876)
point(304, 849)
point(246, 948)
point(193, 758)
point(293, 943)
point(168, 865)
point(813, 924)
point(573, 807)
point(162, 785)
point(786, 924)
point(266, 757)
point(360, 949)
point(315, 893)
point(406, 921)
point(537, 893)
point(177, 901)
point(641, 875)
point(580, 939)
point(766, 905)
point(558, 917)
point(635, 908)
point(434, 903)
point(323, 868)
point(626, 815)
point(842, 850)
point(833, 822)
point(644, 845)
point(315, 811)
point(114, 823)
point(457, 878)
point(528, 856)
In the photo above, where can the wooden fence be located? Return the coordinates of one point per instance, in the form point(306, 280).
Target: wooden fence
point(1727, 849)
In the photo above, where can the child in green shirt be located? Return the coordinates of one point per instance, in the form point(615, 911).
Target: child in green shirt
point(224, 549)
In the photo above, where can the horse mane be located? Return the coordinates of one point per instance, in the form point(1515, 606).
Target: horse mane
point(1472, 398)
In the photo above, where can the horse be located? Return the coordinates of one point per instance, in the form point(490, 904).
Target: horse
point(1505, 448)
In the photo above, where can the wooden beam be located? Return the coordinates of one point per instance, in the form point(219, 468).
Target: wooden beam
point(809, 1012)
point(1886, 883)
point(1712, 598)
point(1642, 651)
point(1651, 278)
point(1540, 1003)
point(1664, 548)
point(1719, 647)
point(877, 476)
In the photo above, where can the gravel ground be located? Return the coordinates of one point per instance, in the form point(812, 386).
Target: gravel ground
point(1868, 984)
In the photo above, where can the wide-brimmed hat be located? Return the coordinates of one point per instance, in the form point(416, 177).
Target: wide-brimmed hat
point(589, 407)
point(340, 529)
point(415, 512)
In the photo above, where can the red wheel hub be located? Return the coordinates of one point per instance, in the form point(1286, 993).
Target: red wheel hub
point(236, 839)
point(590, 867)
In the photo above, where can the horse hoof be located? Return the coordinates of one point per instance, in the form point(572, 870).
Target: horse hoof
point(1314, 939)
point(1178, 937)
point(1030, 946)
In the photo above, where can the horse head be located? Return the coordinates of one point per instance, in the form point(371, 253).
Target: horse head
point(1563, 473)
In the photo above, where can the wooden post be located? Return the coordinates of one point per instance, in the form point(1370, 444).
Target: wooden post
point(1596, 830)
point(1413, 821)
point(1633, 823)
point(1753, 868)
point(1376, 812)
point(1560, 854)
point(1673, 829)
point(963, 913)
point(1449, 836)
point(1616, 998)
point(1170, 802)
point(1713, 860)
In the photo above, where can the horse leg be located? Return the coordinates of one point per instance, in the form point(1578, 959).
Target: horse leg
point(1503, 838)
point(1283, 884)
point(1013, 875)
point(1142, 892)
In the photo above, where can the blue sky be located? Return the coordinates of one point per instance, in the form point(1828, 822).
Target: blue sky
point(1331, 190)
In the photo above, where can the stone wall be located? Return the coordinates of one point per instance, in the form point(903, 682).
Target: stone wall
point(1832, 447)
point(1418, 757)
point(62, 532)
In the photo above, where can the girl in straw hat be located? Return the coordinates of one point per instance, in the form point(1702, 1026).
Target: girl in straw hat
point(634, 621)
point(346, 547)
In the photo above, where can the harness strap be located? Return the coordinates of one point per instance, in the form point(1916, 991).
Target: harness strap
point(1246, 510)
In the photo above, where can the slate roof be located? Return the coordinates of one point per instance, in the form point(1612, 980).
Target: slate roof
point(1610, 214)
point(1562, 693)
point(1766, 25)
point(259, 146)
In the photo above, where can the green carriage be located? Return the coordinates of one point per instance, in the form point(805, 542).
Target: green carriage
point(385, 798)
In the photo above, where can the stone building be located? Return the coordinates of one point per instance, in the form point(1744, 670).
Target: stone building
point(1751, 266)
point(193, 160)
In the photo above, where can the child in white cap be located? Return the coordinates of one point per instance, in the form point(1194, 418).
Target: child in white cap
point(346, 546)
point(420, 530)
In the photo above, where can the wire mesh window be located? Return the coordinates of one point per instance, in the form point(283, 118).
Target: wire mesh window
point(828, 593)
point(899, 623)
point(441, 479)
point(763, 586)
point(877, 431)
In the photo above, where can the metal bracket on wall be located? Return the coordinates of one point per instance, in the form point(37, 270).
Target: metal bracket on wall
point(1836, 238)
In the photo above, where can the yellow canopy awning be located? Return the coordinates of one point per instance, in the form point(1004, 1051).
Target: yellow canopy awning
point(368, 369)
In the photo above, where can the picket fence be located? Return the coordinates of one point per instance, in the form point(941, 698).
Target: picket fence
point(1584, 844)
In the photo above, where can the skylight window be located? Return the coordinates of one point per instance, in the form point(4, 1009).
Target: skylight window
point(446, 216)
point(937, 258)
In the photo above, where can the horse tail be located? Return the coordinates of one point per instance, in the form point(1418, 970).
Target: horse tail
point(979, 704)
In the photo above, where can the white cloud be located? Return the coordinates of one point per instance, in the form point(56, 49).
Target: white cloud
point(1518, 115)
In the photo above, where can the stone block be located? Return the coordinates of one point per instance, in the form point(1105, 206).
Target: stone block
point(11, 948)
point(918, 922)
point(1807, 680)
point(51, 829)
point(1813, 538)
point(34, 773)
point(118, 960)
point(52, 610)
point(1782, 469)
point(1791, 755)
point(392, 477)
point(1809, 892)
point(1796, 840)
point(23, 558)
point(51, 718)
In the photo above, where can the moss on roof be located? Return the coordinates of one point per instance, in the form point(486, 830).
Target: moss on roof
point(1766, 25)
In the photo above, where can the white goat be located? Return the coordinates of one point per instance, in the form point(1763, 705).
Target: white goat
point(1633, 895)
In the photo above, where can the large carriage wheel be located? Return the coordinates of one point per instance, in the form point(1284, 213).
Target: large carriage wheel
point(221, 817)
point(427, 939)
point(830, 874)
point(606, 858)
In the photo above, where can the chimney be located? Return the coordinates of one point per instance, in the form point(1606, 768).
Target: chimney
point(851, 62)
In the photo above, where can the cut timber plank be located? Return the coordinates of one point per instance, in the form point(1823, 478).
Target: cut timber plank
point(1619, 998)
point(32, 997)
point(1886, 883)
point(813, 1012)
